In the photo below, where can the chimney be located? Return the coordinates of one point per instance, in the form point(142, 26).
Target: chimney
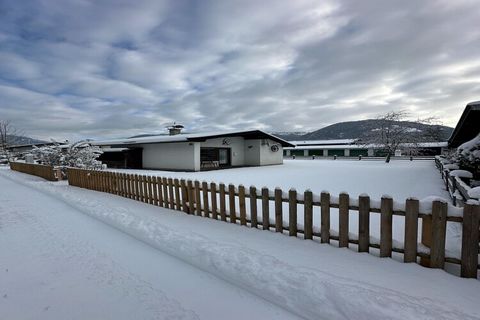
point(175, 129)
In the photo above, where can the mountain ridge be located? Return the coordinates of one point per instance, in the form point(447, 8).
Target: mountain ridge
point(359, 129)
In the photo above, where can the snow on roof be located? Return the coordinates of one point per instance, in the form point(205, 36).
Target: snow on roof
point(186, 137)
point(362, 146)
point(107, 149)
point(324, 142)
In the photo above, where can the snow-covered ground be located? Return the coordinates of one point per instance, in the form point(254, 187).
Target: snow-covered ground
point(146, 262)
point(400, 179)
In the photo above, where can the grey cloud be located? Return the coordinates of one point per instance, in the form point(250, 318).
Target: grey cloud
point(110, 68)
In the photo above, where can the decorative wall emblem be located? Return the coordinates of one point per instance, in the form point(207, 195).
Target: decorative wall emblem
point(274, 148)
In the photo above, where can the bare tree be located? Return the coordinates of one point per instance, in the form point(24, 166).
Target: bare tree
point(395, 133)
point(8, 134)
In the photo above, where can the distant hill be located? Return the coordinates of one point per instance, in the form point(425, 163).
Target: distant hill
point(358, 129)
point(19, 140)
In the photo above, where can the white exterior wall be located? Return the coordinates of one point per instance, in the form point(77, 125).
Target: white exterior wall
point(186, 155)
point(236, 146)
point(268, 157)
point(252, 152)
point(172, 156)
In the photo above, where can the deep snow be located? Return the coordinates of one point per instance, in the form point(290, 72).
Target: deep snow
point(400, 178)
point(57, 263)
point(306, 278)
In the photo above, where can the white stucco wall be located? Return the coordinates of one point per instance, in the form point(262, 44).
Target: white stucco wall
point(252, 152)
point(186, 155)
point(268, 157)
point(236, 146)
point(173, 156)
point(261, 154)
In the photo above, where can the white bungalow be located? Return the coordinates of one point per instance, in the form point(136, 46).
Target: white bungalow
point(194, 152)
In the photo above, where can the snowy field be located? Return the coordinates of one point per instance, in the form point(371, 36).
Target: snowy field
point(400, 179)
point(72, 253)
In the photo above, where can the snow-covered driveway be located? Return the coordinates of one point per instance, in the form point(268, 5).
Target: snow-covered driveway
point(56, 262)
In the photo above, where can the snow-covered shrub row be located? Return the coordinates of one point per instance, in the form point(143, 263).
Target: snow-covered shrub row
point(78, 155)
point(468, 155)
point(466, 158)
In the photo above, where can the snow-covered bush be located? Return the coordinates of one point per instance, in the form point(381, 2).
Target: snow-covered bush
point(78, 155)
point(468, 156)
point(4, 156)
point(461, 174)
point(474, 192)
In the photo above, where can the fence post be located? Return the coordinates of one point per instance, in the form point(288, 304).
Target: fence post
point(231, 203)
point(166, 200)
point(206, 208)
point(265, 209)
point(241, 204)
point(138, 187)
point(198, 199)
point(155, 190)
point(292, 213)
point(308, 215)
point(470, 233)
point(439, 228)
point(343, 219)
point(145, 189)
point(184, 189)
point(386, 208)
point(278, 210)
point(253, 207)
point(148, 189)
point(223, 215)
point(325, 217)
point(171, 193)
point(363, 223)
point(191, 197)
point(213, 195)
point(160, 192)
point(411, 230)
point(178, 200)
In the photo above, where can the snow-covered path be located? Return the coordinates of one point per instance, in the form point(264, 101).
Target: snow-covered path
point(121, 276)
point(57, 263)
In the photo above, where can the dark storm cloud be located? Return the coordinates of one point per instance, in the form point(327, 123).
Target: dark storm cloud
point(116, 68)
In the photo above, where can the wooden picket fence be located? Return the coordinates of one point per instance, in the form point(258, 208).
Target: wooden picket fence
point(220, 202)
point(46, 172)
point(454, 184)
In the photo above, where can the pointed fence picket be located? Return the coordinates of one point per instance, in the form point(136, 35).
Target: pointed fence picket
point(211, 200)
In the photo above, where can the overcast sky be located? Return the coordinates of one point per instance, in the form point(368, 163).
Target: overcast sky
point(75, 69)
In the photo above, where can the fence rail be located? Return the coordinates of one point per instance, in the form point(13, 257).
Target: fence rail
point(457, 188)
point(228, 203)
point(46, 172)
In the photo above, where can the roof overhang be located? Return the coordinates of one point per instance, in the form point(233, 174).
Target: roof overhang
point(196, 137)
point(467, 127)
point(247, 135)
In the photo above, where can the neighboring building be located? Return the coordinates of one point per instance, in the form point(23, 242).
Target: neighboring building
point(352, 148)
point(22, 148)
point(468, 127)
point(194, 152)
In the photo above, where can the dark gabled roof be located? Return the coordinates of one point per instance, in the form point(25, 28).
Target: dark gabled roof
point(253, 134)
point(468, 127)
